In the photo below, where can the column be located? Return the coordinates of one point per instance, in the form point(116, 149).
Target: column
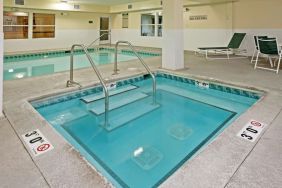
point(1, 57)
point(173, 35)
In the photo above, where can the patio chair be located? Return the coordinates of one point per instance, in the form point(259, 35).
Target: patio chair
point(269, 47)
point(253, 60)
point(231, 49)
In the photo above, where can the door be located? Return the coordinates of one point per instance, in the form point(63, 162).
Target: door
point(104, 28)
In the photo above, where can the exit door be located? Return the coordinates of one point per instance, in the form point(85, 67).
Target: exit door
point(104, 28)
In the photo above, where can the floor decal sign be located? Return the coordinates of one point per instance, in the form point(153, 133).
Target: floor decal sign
point(251, 130)
point(37, 142)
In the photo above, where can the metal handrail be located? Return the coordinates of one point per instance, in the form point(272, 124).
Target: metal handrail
point(141, 60)
point(108, 33)
point(71, 82)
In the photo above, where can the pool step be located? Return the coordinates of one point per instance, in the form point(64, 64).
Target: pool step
point(128, 113)
point(95, 97)
point(98, 107)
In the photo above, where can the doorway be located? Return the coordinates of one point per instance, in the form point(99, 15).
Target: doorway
point(104, 28)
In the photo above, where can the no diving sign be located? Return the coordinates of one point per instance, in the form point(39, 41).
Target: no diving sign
point(251, 130)
point(37, 142)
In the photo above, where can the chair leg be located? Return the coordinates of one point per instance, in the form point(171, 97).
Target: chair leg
point(278, 65)
point(270, 61)
point(256, 61)
point(254, 54)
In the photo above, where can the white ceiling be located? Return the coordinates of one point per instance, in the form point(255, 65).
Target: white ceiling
point(105, 2)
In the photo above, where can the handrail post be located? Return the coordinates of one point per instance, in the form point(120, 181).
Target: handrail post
point(71, 82)
point(142, 61)
point(115, 62)
point(108, 33)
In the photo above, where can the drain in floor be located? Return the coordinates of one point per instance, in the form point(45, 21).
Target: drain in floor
point(180, 132)
point(146, 157)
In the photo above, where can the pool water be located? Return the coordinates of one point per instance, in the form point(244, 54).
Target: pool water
point(30, 67)
point(144, 142)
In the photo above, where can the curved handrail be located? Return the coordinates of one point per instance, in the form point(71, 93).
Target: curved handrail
point(71, 82)
point(108, 33)
point(141, 60)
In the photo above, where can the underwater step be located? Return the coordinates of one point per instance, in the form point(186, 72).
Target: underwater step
point(95, 97)
point(234, 103)
point(126, 114)
point(116, 102)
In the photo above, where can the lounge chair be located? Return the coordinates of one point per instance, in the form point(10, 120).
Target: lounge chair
point(253, 60)
point(231, 49)
point(269, 47)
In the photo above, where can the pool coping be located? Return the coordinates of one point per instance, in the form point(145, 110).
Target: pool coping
point(175, 179)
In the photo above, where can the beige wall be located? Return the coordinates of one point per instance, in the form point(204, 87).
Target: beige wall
point(219, 17)
point(69, 20)
point(257, 14)
point(136, 6)
point(71, 27)
point(57, 5)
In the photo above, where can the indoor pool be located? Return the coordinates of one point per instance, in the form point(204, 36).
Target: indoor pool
point(145, 142)
point(30, 65)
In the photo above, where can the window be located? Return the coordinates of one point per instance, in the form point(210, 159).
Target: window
point(160, 24)
point(43, 25)
point(15, 25)
point(148, 25)
point(125, 20)
point(151, 24)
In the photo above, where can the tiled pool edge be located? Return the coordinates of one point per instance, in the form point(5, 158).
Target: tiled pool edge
point(50, 100)
point(66, 52)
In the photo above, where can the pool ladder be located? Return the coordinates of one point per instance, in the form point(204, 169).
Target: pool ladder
point(71, 82)
point(141, 60)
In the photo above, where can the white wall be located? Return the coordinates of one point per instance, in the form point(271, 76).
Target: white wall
point(249, 43)
point(134, 36)
point(64, 38)
point(193, 38)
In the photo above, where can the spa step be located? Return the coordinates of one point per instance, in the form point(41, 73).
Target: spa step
point(95, 97)
point(128, 113)
point(98, 107)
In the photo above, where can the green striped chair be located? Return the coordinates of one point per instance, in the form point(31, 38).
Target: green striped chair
point(231, 49)
point(269, 47)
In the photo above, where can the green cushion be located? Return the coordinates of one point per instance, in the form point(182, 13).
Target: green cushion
point(268, 46)
point(236, 40)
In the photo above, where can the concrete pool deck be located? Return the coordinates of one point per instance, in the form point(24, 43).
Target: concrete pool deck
point(228, 161)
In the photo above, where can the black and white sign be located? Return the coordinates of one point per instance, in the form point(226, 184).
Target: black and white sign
point(112, 85)
point(251, 130)
point(204, 85)
point(37, 142)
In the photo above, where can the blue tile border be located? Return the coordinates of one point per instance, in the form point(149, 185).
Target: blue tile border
point(213, 86)
point(235, 91)
point(78, 94)
point(98, 89)
point(62, 53)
